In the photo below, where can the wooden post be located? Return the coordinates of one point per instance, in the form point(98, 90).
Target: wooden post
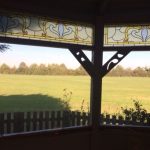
point(58, 118)
point(96, 81)
point(41, 120)
point(18, 122)
point(73, 118)
point(35, 125)
point(28, 121)
point(8, 123)
point(52, 119)
point(2, 122)
point(47, 120)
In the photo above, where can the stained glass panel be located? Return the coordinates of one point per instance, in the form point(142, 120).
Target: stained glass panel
point(134, 35)
point(29, 27)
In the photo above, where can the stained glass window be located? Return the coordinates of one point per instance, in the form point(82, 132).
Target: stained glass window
point(38, 28)
point(135, 35)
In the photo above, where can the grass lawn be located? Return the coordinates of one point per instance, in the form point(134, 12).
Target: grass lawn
point(29, 93)
point(121, 91)
point(34, 93)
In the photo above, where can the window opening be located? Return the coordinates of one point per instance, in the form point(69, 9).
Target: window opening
point(42, 88)
point(125, 92)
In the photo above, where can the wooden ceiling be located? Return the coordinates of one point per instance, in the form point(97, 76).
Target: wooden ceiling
point(84, 10)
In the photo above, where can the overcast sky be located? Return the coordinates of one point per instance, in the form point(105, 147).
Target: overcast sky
point(36, 54)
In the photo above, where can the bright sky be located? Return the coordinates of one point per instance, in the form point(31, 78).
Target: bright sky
point(45, 55)
point(133, 59)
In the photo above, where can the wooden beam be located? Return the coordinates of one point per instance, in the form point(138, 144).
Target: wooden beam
point(10, 40)
point(126, 48)
point(103, 6)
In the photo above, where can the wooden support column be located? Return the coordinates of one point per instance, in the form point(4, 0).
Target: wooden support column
point(96, 82)
point(96, 78)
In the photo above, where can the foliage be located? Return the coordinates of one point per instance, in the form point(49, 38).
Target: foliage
point(4, 69)
point(137, 72)
point(42, 69)
point(137, 112)
point(84, 107)
point(4, 47)
point(61, 69)
point(67, 95)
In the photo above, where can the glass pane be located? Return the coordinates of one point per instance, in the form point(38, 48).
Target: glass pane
point(38, 28)
point(135, 35)
point(42, 88)
point(126, 91)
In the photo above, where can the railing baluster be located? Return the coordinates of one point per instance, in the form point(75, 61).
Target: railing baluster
point(58, 119)
point(18, 122)
point(41, 120)
point(35, 120)
point(47, 120)
point(2, 123)
point(8, 123)
point(52, 119)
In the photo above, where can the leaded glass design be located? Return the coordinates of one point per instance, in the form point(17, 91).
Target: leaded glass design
point(29, 27)
point(135, 35)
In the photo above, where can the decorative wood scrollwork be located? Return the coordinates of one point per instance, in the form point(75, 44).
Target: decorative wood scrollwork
point(112, 62)
point(83, 60)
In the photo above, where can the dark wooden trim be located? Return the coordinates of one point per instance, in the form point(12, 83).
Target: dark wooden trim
point(123, 48)
point(42, 43)
point(53, 132)
point(143, 129)
point(96, 79)
point(104, 6)
point(127, 17)
point(83, 60)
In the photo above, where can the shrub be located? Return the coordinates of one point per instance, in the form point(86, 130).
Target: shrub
point(67, 95)
point(137, 112)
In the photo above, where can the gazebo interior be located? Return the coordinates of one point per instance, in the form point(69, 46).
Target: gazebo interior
point(94, 15)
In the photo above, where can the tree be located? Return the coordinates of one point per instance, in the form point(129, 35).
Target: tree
point(42, 69)
point(55, 69)
point(4, 47)
point(63, 69)
point(33, 69)
point(4, 69)
point(80, 71)
point(139, 72)
point(13, 70)
point(23, 68)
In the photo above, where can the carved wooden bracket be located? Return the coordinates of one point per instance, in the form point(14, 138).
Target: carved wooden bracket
point(83, 60)
point(89, 66)
point(113, 61)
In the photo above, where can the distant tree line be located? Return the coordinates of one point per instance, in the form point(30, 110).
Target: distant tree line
point(42, 69)
point(56, 69)
point(137, 72)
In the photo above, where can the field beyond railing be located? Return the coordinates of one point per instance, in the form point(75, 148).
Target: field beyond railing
point(16, 122)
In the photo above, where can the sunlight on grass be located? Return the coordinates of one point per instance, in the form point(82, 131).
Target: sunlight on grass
point(117, 91)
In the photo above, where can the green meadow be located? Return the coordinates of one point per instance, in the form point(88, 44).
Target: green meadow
point(37, 93)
